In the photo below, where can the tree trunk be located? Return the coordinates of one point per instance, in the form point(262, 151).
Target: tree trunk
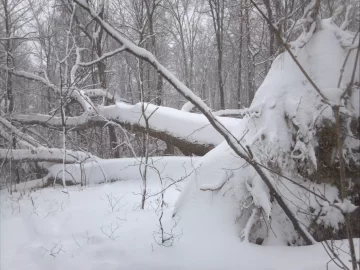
point(271, 32)
point(217, 14)
point(239, 86)
point(115, 153)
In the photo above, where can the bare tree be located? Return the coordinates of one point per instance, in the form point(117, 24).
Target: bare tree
point(217, 9)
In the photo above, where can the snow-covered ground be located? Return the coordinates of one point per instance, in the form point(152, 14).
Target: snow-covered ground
point(103, 227)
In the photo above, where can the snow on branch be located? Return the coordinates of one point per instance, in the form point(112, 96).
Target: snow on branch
point(218, 185)
point(103, 57)
point(75, 123)
point(98, 92)
point(32, 77)
point(231, 113)
point(75, 94)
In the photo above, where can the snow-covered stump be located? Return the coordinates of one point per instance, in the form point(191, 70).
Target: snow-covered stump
point(291, 130)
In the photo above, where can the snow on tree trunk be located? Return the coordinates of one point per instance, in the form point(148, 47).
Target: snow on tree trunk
point(191, 132)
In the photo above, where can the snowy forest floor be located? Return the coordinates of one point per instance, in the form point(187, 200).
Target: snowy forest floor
point(103, 227)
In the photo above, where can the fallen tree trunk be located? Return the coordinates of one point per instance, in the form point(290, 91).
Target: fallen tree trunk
point(31, 150)
point(190, 132)
point(9, 133)
point(54, 155)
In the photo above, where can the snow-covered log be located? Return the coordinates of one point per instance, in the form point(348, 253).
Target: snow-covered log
point(9, 132)
point(188, 131)
point(54, 155)
point(29, 149)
